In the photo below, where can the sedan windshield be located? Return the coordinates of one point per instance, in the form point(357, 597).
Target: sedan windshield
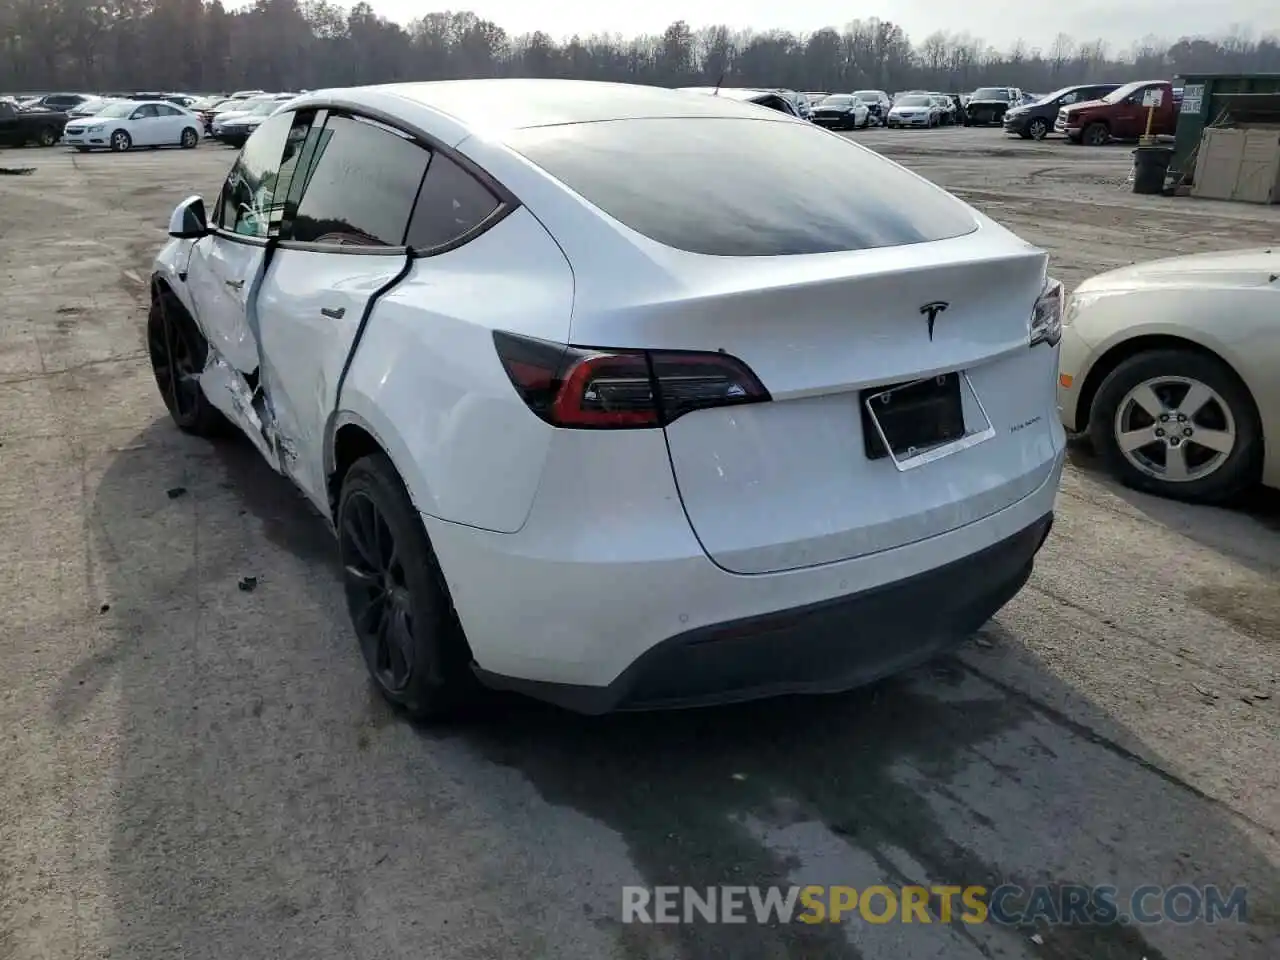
point(991, 93)
point(119, 110)
point(914, 102)
point(867, 95)
point(837, 102)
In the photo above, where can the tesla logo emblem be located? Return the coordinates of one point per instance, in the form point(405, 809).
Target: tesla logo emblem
point(931, 311)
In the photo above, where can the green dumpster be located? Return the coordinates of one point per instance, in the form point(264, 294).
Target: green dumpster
point(1214, 98)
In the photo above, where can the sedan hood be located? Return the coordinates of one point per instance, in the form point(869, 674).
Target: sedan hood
point(1234, 268)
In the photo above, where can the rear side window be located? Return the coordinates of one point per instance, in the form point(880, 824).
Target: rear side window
point(742, 188)
point(451, 203)
point(360, 187)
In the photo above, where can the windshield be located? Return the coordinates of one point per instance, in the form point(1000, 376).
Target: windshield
point(867, 94)
point(118, 110)
point(242, 106)
point(265, 108)
point(841, 101)
point(1050, 97)
point(991, 93)
point(913, 102)
point(1128, 90)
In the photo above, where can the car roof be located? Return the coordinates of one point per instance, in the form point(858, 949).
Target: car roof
point(515, 104)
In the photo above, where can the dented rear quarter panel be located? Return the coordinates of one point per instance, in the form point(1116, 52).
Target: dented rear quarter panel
point(427, 383)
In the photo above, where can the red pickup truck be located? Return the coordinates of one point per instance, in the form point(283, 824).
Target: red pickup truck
point(1120, 115)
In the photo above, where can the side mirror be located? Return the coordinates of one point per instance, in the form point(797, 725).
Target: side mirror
point(188, 221)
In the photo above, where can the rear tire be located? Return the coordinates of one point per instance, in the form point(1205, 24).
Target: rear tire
point(1109, 416)
point(46, 137)
point(409, 633)
point(189, 139)
point(82, 149)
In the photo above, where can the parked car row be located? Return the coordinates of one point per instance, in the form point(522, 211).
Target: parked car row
point(1095, 113)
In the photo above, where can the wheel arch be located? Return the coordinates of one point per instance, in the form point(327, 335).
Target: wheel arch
point(1121, 351)
point(350, 436)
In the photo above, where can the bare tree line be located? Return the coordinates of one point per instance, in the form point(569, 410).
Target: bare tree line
point(286, 44)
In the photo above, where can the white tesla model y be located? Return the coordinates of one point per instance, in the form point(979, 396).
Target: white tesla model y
point(620, 396)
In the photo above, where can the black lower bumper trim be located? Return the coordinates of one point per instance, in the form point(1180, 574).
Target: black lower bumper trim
point(826, 647)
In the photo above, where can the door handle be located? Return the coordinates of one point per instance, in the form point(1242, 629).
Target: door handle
point(234, 284)
point(334, 313)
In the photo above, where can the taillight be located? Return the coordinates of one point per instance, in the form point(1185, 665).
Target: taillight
point(598, 388)
point(1046, 315)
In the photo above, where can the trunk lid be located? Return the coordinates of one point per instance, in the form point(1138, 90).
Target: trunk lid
point(790, 483)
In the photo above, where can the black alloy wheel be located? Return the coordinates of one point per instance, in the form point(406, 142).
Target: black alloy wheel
point(409, 634)
point(178, 351)
point(378, 596)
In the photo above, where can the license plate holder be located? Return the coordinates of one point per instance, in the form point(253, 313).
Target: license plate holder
point(919, 421)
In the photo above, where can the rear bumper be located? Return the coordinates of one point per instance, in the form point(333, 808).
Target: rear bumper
point(824, 647)
point(606, 570)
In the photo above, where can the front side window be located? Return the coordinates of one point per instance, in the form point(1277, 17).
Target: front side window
point(743, 187)
point(255, 190)
point(361, 186)
point(144, 112)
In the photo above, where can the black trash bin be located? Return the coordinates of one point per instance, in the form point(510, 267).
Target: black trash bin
point(1150, 167)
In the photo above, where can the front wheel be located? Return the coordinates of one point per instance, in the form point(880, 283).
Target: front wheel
point(1095, 134)
point(189, 138)
point(1038, 129)
point(1179, 424)
point(178, 352)
point(410, 636)
point(121, 141)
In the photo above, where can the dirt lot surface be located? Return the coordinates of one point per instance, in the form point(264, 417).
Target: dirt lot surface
point(188, 769)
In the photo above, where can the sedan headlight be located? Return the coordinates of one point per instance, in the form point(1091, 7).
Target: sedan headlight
point(1046, 316)
point(96, 128)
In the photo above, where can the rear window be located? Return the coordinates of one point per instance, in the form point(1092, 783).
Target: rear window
point(743, 188)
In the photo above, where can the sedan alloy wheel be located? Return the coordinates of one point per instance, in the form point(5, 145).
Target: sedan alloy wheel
point(1175, 429)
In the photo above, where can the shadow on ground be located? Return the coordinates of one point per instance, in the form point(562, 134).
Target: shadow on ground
point(266, 799)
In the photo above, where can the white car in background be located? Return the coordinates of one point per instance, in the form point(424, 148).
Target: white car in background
point(610, 423)
point(240, 108)
point(914, 110)
point(122, 124)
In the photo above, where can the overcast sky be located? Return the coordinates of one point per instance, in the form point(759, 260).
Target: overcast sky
point(999, 22)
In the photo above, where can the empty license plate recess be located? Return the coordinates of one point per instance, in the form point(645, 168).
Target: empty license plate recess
point(921, 420)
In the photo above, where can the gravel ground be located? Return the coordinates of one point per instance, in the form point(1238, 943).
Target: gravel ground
point(189, 769)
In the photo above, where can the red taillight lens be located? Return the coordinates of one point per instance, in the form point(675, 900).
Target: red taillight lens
point(587, 387)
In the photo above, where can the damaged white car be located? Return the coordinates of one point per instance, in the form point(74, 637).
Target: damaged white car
point(611, 423)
